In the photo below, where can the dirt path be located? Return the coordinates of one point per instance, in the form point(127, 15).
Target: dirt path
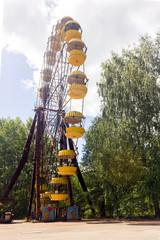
point(84, 230)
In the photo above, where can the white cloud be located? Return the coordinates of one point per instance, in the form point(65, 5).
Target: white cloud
point(107, 25)
point(28, 83)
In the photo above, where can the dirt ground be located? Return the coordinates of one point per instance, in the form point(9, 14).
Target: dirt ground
point(84, 230)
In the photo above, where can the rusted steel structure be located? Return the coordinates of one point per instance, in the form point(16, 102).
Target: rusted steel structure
point(56, 126)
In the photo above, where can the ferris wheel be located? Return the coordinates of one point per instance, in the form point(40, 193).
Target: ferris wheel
point(62, 81)
point(57, 123)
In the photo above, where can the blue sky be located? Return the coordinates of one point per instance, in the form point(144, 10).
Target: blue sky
point(107, 25)
point(15, 99)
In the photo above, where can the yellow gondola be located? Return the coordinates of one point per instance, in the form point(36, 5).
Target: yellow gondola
point(55, 43)
point(74, 132)
point(41, 91)
point(76, 77)
point(72, 25)
point(42, 187)
point(62, 32)
point(66, 154)
point(51, 59)
point(58, 197)
point(47, 75)
point(71, 34)
point(77, 57)
point(77, 91)
point(67, 170)
point(75, 44)
point(73, 117)
point(66, 19)
point(59, 180)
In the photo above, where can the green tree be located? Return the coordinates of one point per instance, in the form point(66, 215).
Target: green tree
point(13, 136)
point(108, 169)
point(123, 146)
point(130, 91)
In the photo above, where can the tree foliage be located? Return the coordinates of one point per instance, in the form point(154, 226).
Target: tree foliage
point(13, 136)
point(123, 146)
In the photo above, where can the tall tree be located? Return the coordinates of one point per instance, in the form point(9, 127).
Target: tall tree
point(130, 91)
point(127, 151)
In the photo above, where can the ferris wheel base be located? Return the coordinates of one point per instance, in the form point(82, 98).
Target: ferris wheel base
point(52, 214)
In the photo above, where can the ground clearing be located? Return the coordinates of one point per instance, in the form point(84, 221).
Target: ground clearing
point(84, 230)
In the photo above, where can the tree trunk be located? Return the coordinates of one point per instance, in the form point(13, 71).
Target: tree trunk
point(102, 208)
point(156, 206)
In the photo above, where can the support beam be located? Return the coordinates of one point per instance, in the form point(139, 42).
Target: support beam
point(39, 138)
point(39, 135)
point(32, 189)
point(69, 187)
point(80, 177)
